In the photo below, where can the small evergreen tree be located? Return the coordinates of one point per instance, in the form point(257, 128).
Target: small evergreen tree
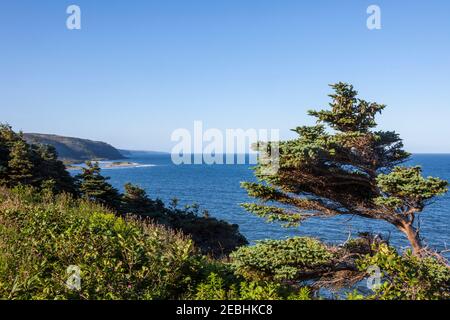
point(49, 168)
point(349, 169)
point(4, 153)
point(135, 193)
point(92, 185)
point(20, 167)
point(135, 200)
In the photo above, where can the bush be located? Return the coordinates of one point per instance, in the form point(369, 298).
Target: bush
point(408, 277)
point(216, 288)
point(280, 259)
point(41, 236)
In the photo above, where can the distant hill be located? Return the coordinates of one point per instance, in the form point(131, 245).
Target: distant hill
point(75, 149)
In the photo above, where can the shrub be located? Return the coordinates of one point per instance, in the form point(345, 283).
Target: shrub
point(118, 258)
point(216, 288)
point(407, 276)
point(280, 259)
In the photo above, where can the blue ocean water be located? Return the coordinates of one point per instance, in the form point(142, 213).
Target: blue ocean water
point(216, 188)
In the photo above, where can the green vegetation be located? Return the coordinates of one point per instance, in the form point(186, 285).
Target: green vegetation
point(408, 277)
point(93, 186)
point(129, 246)
point(216, 288)
point(349, 169)
point(23, 164)
point(35, 165)
point(42, 235)
point(75, 149)
point(281, 259)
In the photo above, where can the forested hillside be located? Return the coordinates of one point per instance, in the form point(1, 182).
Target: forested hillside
point(75, 149)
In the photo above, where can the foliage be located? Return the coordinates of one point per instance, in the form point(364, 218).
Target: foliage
point(354, 295)
point(119, 258)
point(212, 236)
point(280, 259)
point(93, 186)
point(37, 165)
point(135, 200)
point(29, 164)
point(342, 165)
point(42, 235)
point(408, 277)
point(348, 113)
point(216, 288)
point(19, 164)
point(45, 227)
point(406, 188)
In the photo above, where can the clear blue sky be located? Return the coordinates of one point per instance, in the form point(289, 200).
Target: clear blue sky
point(140, 69)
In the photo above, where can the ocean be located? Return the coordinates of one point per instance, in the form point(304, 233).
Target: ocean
point(216, 188)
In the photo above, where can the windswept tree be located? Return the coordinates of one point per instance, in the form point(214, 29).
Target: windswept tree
point(342, 165)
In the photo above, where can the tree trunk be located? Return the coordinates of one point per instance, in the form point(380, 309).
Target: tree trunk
point(413, 237)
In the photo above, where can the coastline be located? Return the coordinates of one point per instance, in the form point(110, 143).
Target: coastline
point(109, 165)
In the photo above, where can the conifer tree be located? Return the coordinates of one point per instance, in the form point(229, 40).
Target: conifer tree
point(94, 186)
point(36, 165)
point(342, 166)
point(49, 168)
point(20, 167)
point(135, 200)
point(7, 138)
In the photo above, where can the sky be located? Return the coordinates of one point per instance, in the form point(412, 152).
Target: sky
point(138, 70)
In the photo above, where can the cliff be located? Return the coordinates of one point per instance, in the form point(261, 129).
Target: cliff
point(75, 149)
